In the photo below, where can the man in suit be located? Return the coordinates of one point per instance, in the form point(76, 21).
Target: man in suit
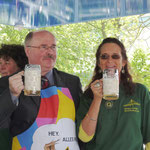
point(35, 121)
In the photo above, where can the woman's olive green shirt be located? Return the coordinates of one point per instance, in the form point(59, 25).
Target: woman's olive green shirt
point(123, 124)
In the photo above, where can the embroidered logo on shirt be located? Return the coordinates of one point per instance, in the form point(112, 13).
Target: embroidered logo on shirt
point(132, 106)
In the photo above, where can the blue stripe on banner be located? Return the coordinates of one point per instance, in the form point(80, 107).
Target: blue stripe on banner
point(59, 88)
point(46, 93)
point(25, 139)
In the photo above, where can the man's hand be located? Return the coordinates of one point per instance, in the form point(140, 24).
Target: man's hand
point(16, 84)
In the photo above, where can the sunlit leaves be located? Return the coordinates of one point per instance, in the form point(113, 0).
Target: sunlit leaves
point(77, 44)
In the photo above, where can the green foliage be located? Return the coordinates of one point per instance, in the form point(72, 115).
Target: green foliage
point(10, 35)
point(77, 44)
point(141, 67)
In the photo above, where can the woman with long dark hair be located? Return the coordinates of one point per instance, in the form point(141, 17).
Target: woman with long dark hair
point(122, 124)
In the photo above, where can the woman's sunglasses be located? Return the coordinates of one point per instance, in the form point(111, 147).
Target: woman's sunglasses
point(106, 56)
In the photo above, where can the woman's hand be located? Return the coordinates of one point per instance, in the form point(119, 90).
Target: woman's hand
point(97, 89)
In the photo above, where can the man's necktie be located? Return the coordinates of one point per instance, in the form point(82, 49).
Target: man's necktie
point(44, 82)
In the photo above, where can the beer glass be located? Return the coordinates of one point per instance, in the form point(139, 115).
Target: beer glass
point(32, 80)
point(110, 84)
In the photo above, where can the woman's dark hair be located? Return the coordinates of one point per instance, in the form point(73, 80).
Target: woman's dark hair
point(16, 52)
point(126, 78)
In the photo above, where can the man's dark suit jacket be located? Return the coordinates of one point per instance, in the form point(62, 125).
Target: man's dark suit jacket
point(19, 118)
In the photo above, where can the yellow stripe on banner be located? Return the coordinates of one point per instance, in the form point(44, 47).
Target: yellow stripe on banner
point(15, 144)
point(66, 107)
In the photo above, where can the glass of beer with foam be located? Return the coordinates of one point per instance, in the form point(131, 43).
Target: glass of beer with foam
point(110, 84)
point(32, 80)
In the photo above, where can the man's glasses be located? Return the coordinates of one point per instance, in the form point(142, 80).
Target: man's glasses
point(106, 56)
point(44, 47)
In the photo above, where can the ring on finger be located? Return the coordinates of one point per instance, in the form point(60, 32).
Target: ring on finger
point(97, 84)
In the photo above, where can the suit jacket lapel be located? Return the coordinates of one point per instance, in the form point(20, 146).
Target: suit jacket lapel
point(58, 81)
point(36, 100)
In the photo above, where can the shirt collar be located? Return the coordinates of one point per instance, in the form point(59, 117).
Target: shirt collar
point(50, 77)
